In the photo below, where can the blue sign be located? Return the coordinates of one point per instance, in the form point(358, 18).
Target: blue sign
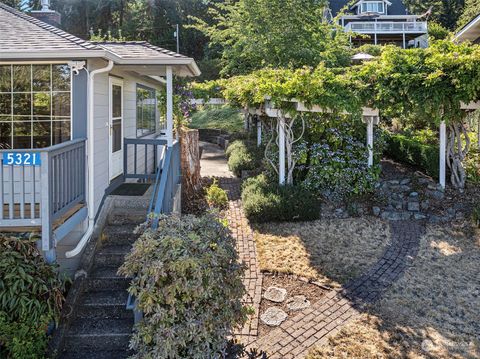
point(22, 158)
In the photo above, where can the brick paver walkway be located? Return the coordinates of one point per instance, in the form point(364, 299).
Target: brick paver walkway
point(247, 252)
point(312, 327)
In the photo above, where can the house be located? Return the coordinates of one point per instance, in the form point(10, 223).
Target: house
point(78, 119)
point(380, 22)
point(469, 32)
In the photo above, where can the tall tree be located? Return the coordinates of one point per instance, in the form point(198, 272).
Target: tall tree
point(471, 10)
point(257, 33)
point(445, 12)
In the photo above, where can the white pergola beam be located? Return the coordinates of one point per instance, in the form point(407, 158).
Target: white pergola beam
point(370, 140)
point(281, 150)
point(442, 157)
point(169, 76)
point(259, 132)
point(474, 105)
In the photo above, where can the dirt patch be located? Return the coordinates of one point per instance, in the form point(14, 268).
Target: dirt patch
point(329, 251)
point(196, 204)
point(294, 286)
point(431, 312)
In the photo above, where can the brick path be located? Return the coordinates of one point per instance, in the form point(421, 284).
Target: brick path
point(243, 234)
point(312, 327)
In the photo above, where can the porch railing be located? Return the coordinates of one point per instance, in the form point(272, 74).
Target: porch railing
point(39, 195)
point(141, 157)
point(387, 26)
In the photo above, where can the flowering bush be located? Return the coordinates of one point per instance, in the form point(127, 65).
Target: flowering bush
point(337, 167)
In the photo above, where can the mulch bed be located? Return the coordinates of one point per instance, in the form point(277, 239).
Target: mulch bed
point(294, 286)
point(195, 203)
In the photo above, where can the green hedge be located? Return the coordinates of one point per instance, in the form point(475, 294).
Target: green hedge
point(407, 150)
point(243, 155)
point(267, 202)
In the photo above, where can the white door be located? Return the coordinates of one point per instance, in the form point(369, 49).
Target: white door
point(116, 128)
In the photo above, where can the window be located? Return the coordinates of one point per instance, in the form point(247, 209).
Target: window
point(146, 111)
point(34, 105)
point(373, 6)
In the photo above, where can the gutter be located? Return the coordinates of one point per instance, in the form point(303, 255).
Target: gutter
point(90, 152)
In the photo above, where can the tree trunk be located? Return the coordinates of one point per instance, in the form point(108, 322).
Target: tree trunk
point(191, 179)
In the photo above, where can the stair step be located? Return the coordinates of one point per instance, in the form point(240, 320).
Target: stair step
point(132, 217)
point(104, 334)
point(112, 248)
point(118, 283)
point(104, 298)
point(105, 272)
point(119, 235)
point(110, 259)
point(96, 354)
point(104, 312)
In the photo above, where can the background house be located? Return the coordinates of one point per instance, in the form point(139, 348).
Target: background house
point(381, 22)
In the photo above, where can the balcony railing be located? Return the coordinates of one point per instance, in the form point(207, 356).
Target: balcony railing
point(38, 196)
point(371, 27)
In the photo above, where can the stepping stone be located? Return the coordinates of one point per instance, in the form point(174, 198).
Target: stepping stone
point(298, 302)
point(273, 316)
point(275, 294)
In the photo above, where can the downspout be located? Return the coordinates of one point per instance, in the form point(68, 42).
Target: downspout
point(90, 149)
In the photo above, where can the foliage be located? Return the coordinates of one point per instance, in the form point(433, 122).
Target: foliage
point(187, 281)
point(472, 166)
point(414, 152)
point(445, 12)
point(243, 155)
point(253, 34)
point(267, 202)
point(437, 32)
point(216, 196)
point(224, 118)
point(31, 296)
point(206, 90)
point(470, 11)
point(338, 166)
point(183, 107)
point(476, 215)
point(374, 50)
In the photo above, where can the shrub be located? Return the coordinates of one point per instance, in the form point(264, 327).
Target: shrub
point(216, 196)
point(268, 202)
point(31, 296)
point(224, 118)
point(243, 155)
point(187, 281)
point(410, 151)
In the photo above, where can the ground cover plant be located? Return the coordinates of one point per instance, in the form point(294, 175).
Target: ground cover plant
point(329, 251)
point(31, 297)
point(187, 281)
point(430, 312)
point(216, 197)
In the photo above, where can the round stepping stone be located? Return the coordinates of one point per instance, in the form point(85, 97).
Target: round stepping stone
point(298, 302)
point(273, 316)
point(275, 294)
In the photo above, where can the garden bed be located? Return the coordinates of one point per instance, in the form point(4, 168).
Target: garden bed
point(328, 251)
point(432, 311)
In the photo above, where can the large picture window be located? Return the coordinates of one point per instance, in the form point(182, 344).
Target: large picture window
point(34, 105)
point(146, 110)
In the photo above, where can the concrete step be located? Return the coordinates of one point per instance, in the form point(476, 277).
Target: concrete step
point(118, 283)
point(104, 312)
point(105, 272)
point(131, 217)
point(104, 297)
point(119, 235)
point(96, 354)
point(99, 334)
point(110, 259)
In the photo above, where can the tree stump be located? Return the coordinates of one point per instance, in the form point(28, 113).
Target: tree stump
point(191, 179)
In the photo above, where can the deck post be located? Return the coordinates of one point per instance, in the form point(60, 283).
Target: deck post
point(48, 242)
point(370, 140)
point(259, 132)
point(169, 75)
point(281, 149)
point(443, 145)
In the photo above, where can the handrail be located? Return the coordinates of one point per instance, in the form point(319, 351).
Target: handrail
point(46, 149)
point(387, 26)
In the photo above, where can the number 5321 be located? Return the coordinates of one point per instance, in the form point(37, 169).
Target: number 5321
point(21, 158)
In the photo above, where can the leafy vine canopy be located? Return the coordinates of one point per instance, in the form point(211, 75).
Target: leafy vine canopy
point(427, 83)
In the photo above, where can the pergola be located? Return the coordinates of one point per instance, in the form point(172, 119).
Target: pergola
point(370, 117)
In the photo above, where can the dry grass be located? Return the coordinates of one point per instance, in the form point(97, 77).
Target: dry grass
point(433, 311)
point(329, 251)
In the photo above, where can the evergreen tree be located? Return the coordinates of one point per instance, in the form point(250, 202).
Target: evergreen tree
point(471, 10)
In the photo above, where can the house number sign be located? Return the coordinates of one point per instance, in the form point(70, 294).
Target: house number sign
point(21, 159)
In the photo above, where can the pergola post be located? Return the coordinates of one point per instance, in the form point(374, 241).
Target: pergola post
point(169, 76)
point(281, 150)
point(370, 140)
point(443, 147)
point(259, 132)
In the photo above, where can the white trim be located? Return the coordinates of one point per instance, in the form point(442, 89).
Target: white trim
point(466, 28)
point(442, 155)
point(114, 81)
point(169, 106)
point(281, 150)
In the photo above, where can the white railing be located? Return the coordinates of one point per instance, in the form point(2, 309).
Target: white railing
point(387, 27)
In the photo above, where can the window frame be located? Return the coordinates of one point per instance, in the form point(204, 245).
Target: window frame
point(32, 93)
point(366, 3)
point(150, 132)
